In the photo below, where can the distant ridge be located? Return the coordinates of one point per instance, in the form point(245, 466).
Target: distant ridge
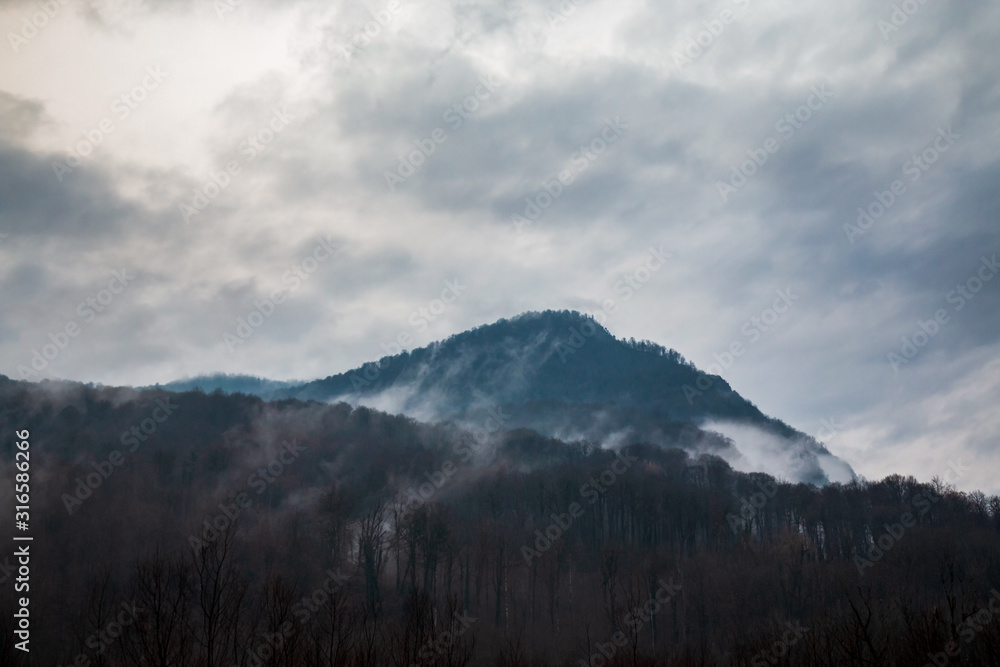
point(229, 384)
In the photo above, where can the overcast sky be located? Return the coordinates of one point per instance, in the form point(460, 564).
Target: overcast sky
point(118, 114)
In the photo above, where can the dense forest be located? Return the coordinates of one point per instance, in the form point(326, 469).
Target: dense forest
point(210, 529)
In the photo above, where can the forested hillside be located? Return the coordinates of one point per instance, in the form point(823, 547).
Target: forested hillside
point(211, 529)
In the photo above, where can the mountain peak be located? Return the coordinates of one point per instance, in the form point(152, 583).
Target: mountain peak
point(530, 323)
point(563, 374)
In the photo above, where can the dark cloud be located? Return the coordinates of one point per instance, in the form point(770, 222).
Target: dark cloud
point(34, 203)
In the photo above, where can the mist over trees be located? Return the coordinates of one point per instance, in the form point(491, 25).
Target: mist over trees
point(212, 529)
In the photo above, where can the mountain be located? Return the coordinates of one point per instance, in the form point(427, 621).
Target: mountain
point(565, 376)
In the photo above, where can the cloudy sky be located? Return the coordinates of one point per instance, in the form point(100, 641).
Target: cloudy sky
point(176, 163)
